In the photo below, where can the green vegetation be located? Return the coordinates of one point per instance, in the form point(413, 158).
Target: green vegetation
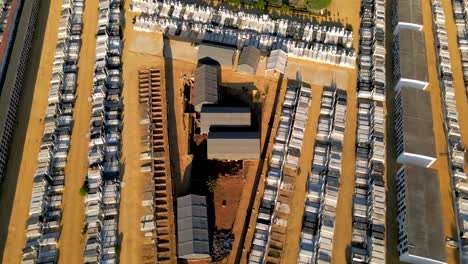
point(285, 8)
point(85, 229)
point(298, 170)
point(317, 4)
point(257, 97)
point(274, 254)
point(261, 4)
point(84, 189)
point(117, 249)
point(236, 2)
point(212, 185)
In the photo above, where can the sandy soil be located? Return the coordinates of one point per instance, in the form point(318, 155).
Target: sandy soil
point(297, 204)
point(459, 84)
point(228, 189)
point(248, 237)
point(72, 241)
point(136, 57)
point(441, 142)
point(16, 190)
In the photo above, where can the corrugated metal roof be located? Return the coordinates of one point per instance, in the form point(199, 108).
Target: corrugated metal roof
point(425, 229)
point(221, 116)
point(248, 60)
point(413, 63)
point(418, 135)
point(206, 85)
point(223, 55)
point(409, 11)
point(192, 227)
point(234, 145)
point(277, 61)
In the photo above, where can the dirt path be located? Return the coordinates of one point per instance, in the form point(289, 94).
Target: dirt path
point(17, 188)
point(458, 81)
point(441, 143)
point(294, 230)
point(71, 242)
point(343, 220)
point(131, 209)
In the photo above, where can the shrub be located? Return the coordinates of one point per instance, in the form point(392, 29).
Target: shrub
point(84, 189)
point(285, 8)
point(85, 229)
point(274, 254)
point(212, 184)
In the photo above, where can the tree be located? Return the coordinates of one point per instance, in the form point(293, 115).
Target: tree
point(261, 4)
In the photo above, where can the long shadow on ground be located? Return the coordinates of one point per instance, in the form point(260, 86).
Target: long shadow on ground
point(8, 187)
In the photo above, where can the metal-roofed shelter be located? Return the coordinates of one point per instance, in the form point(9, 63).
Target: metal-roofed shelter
point(420, 224)
point(414, 127)
point(409, 59)
point(407, 14)
point(221, 54)
point(234, 145)
point(248, 60)
point(223, 116)
point(277, 61)
point(192, 227)
point(206, 86)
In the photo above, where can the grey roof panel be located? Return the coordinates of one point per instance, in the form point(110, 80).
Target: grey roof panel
point(223, 55)
point(277, 61)
point(426, 236)
point(192, 226)
point(413, 64)
point(418, 134)
point(206, 84)
point(213, 115)
point(248, 60)
point(234, 145)
point(409, 11)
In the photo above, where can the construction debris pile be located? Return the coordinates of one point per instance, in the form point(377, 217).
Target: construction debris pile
point(43, 225)
point(222, 245)
point(195, 23)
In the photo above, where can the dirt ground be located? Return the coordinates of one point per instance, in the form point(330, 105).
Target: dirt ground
point(441, 163)
point(297, 204)
point(459, 84)
point(226, 200)
point(16, 190)
point(136, 57)
point(71, 243)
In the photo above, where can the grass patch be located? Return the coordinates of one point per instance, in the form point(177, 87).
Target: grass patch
point(274, 254)
point(317, 4)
